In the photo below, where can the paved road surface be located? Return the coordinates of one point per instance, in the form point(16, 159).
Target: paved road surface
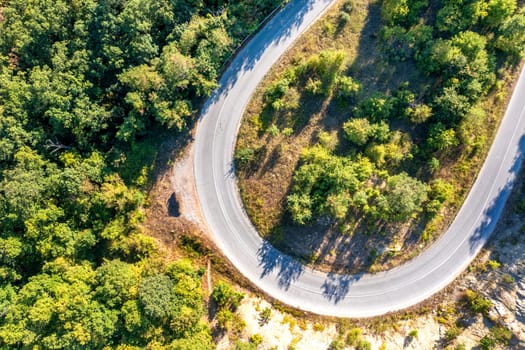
point(288, 281)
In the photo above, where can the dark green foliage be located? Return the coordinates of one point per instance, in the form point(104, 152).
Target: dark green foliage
point(450, 107)
point(244, 156)
point(155, 296)
point(498, 11)
point(402, 12)
point(512, 36)
point(377, 108)
point(322, 72)
point(328, 184)
point(440, 138)
point(487, 343)
point(401, 44)
point(458, 15)
point(115, 280)
point(60, 295)
point(357, 131)
point(86, 88)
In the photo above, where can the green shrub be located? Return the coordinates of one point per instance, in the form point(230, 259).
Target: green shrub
point(240, 345)
point(273, 130)
point(224, 318)
point(256, 339)
point(364, 345)
point(501, 334)
point(413, 333)
point(506, 278)
point(348, 6)
point(493, 264)
point(460, 346)
point(277, 90)
point(357, 130)
point(243, 156)
point(344, 17)
point(264, 315)
point(226, 297)
point(353, 337)
point(337, 344)
point(451, 334)
point(476, 302)
point(287, 132)
point(487, 343)
point(318, 327)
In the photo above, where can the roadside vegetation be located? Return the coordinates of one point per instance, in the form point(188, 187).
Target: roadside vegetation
point(358, 149)
point(88, 91)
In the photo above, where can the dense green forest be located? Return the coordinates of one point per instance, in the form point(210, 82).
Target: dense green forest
point(392, 119)
point(83, 85)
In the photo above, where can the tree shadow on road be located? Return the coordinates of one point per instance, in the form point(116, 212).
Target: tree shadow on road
point(287, 269)
point(493, 212)
point(336, 286)
point(274, 32)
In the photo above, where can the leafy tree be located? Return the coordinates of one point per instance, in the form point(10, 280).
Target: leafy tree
point(116, 283)
point(450, 106)
point(511, 38)
point(357, 130)
point(395, 11)
point(405, 196)
point(441, 190)
point(56, 309)
point(226, 297)
point(346, 87)
point(325, 184)
point(323, 71)
point(458, 15)
point(155, 296)
point(300, 207)
point(28, 185)
point(83, 84)
point(376, 108)
point(402, 12)
point(244, 156)
point(420, 114)
point(498, 11)
point(440, 138)
point(401, 44)
point(10, 250)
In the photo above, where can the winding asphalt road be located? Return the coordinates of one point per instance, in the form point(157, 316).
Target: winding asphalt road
point(280, 276)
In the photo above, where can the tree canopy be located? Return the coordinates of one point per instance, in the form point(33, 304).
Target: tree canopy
point(84, 88)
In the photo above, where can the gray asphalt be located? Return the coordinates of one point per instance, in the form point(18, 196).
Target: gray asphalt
point(280, 276)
